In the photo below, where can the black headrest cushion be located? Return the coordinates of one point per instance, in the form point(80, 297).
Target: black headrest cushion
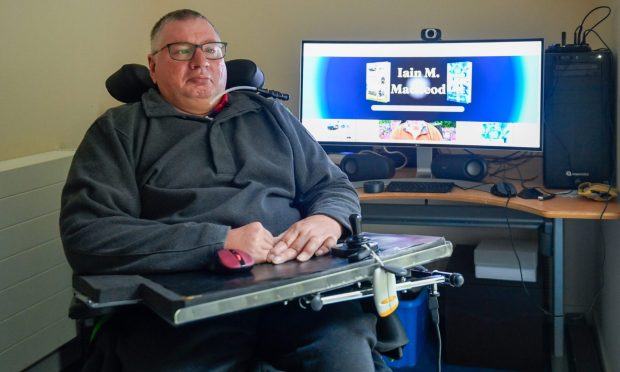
point(130, 81)
point(244, 72)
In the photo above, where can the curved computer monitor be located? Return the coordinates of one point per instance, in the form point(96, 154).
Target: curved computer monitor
point(478, 94)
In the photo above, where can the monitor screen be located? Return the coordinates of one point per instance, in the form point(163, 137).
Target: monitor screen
point(464, 94)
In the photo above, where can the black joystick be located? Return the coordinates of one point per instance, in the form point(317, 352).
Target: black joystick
point(356, 247)
point(356, 237)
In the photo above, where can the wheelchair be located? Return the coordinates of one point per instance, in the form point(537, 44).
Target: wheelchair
point(127, 85)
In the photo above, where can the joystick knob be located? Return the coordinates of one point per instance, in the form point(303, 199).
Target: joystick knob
point(356, 241)
point(356, 226)
point(357, 246)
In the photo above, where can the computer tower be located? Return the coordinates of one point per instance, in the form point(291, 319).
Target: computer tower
point(579, 123)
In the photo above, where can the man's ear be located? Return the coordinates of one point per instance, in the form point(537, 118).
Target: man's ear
point(152, 67)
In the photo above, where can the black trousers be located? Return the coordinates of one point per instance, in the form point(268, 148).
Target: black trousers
point(340, 337)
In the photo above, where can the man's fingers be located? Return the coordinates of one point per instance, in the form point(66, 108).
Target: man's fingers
point(286, 255)
point(326, 247)
point(252, 238)
point(289, 244)
point(312, 245)
point(276, 252)
point(313, 235)
point(283, 252)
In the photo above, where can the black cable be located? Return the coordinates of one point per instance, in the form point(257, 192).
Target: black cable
point(586, 32)
point(603, 262)
point(510, 162)
point(602, 41)
point(514, 250)
point(604, 253)
point(577, 35)
point(433, 307)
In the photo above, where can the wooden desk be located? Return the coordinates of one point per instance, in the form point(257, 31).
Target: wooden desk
point(562, 206)
point(481, 209)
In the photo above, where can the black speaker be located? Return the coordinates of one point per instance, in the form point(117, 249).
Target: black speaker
point(459, 167)
point(579, 135)
point(360, 167)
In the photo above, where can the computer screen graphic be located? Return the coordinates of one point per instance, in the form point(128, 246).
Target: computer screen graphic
point(478, 94)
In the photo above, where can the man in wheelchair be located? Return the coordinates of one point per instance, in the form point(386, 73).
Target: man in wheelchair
point(163, 184)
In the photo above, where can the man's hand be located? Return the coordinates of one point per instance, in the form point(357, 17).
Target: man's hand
point(313, 235)
point(252, 238)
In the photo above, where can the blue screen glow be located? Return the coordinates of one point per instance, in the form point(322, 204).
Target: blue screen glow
point(461, 94)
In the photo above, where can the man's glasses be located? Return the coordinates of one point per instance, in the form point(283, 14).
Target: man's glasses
point(186, 51)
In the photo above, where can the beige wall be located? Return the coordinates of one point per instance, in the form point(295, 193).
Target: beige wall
point(608, 308)
point(55, 55)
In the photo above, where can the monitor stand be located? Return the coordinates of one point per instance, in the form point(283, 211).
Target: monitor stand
point(424, 159)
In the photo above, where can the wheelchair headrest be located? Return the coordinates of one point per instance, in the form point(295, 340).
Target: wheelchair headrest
point(131, 80)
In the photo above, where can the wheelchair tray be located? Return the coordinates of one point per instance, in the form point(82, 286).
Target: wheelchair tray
point(184, 297)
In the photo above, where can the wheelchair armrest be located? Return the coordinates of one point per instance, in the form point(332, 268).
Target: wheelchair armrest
point(78, 310)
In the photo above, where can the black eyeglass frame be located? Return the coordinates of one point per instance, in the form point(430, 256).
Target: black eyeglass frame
point(223, 45)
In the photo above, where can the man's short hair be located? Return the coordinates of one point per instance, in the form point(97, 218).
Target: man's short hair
point(176, 15)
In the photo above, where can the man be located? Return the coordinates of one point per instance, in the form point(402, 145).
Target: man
point(161, 185)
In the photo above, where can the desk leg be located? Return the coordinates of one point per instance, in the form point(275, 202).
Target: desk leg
point(558, 287)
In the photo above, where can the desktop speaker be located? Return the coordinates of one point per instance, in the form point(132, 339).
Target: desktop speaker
point(360, 167)
point(578, 119)
point(459, 167)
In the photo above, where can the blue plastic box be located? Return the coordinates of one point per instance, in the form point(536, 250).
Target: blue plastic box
point(414, 316)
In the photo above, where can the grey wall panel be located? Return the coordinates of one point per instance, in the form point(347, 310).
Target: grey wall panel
point(27, 351)
point(21, 175)
point(34, 290)
point(31, 320)
point(31, 204)
point(31, 262)
point(28, 234)
point(35, 279)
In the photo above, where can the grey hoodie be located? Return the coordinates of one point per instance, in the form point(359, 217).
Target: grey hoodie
point(153, 190)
